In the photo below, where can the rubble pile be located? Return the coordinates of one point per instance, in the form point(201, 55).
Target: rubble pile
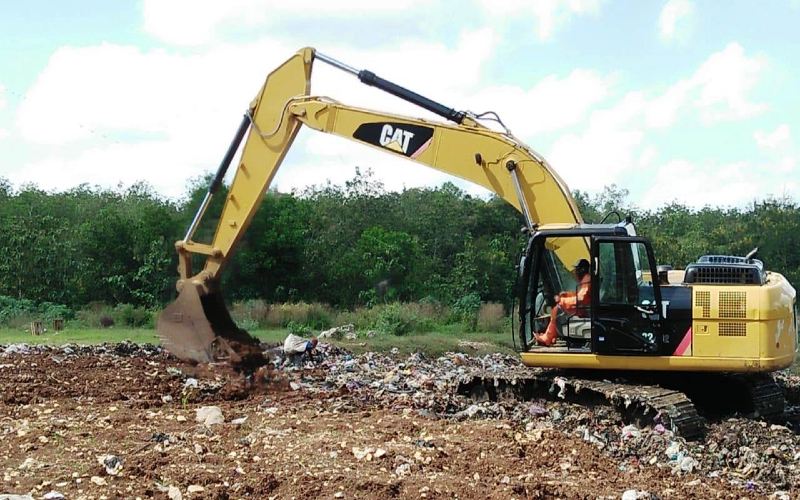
point(751, 454)
point(119, 419)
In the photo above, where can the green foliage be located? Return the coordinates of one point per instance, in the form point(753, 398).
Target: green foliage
point(131, 316)
point(300, 329)
point(466, 308)
point(18, 312)
point(346, 247)
point(393, 319)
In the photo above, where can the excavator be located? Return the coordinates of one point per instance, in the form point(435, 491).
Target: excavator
point(722, 314)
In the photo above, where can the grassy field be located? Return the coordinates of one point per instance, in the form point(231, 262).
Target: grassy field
point(431, 343)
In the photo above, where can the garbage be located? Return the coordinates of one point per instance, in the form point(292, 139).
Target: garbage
point(195, 488)
point(53, 495)
point(111, 463)
point(630, 431)
point(340, 332)
point(209, 415)
point(636, 495)
point(15, 497)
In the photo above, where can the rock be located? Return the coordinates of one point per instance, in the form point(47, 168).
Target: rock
point(294, 386)
point(780, 495)
point(111, 463)
point(403, 470)
point(338, 494)
point(28, 463)
point(99, 481)
point(380, 452)
point(361, 454)
point(166, 399)
point(195, 488)
point(239, 421)
point(209, 415)
point(53, 495)
point(174, 493)
point(15, 497)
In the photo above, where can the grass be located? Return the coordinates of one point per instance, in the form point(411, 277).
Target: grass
point(433, 343)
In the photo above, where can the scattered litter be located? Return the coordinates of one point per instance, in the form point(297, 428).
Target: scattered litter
point(111, 463)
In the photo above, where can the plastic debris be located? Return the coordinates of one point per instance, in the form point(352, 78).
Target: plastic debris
point(111, 463)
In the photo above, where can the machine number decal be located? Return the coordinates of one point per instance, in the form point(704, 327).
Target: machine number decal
point(403, 138)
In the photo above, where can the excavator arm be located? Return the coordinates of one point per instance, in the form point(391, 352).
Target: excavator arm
point(198, 327)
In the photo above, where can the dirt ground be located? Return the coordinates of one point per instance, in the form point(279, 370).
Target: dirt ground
point(63, 412)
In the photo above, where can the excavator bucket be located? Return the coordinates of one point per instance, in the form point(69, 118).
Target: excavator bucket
point(197, 327)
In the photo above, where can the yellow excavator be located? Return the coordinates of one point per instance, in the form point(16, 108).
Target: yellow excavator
point(721, 314)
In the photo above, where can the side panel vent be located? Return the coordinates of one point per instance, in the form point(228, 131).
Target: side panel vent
point(733, 305)
point(703, 299)
point(733, 329)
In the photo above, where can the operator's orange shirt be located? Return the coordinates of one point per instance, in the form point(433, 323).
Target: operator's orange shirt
point(569, 301)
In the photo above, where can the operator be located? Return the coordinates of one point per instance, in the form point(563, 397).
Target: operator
point(568, 302)
point(295, 348)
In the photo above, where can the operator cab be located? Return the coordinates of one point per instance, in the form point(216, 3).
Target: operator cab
point(624, 315)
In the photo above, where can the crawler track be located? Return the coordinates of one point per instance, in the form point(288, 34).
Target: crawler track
point(672, 401)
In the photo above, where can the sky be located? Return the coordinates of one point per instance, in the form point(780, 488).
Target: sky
point(675, 101)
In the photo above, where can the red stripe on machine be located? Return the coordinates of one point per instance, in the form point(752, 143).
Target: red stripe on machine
point(685, 347)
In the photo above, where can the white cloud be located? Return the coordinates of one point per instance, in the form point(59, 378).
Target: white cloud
point(548, 15)
point(724, 81)
point(197, 22)
point(776, 139)
point(165, 117)
point(734, 185)
point(615, 139)
point(551, 104)
point(718, 91)
point(606, 148)
point(3, 101)
point(676, 20)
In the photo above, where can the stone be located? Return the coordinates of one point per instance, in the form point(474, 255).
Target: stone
point(209, 415)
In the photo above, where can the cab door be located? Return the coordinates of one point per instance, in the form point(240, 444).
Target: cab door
point(626, 312)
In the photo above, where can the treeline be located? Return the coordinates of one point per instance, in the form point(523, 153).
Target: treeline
point(345, 246)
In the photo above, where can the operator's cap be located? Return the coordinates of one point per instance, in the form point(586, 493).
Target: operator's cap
point(582, 264)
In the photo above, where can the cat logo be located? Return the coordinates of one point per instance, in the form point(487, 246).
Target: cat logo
point(402, 138)
point(395, 138)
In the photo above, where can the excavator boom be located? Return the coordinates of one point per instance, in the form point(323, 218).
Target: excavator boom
point(198, 327)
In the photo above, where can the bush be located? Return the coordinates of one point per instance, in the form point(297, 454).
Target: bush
point(18, 312)
point(492, 317)
point(314, 315)
point(254, 313)
point(299, 329)
point(394, 319)
point(465, 310)
point(132, 316)
point(50, 311)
